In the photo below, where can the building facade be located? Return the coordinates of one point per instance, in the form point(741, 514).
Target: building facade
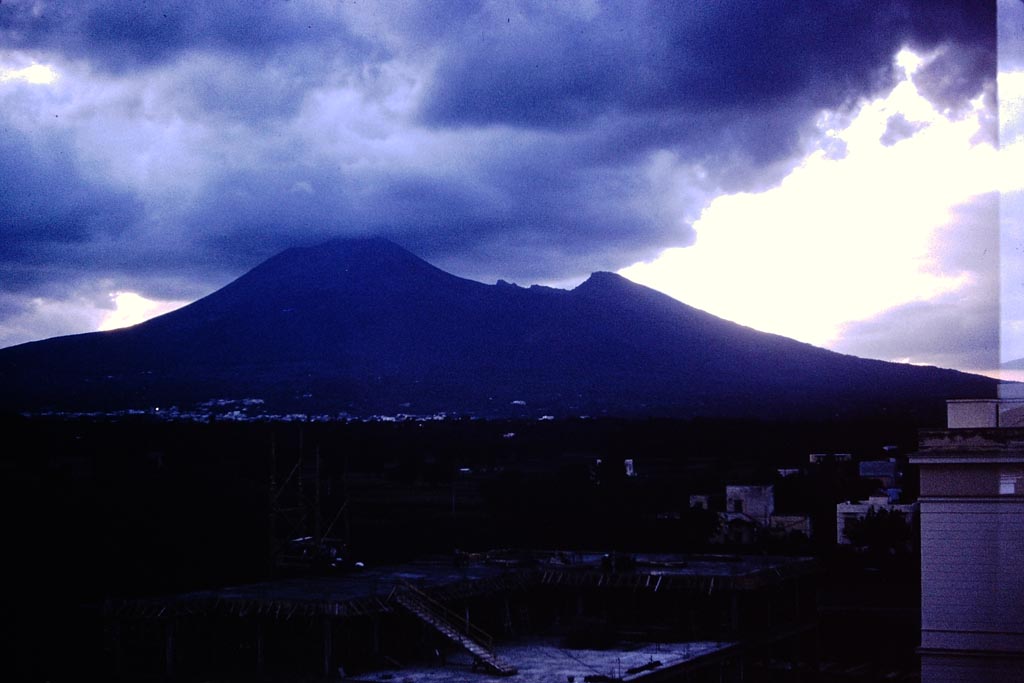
point(972, 544)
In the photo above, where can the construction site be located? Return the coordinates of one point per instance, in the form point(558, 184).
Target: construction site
point(531, 615)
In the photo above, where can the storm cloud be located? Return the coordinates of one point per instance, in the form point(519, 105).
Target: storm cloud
point(182, 143)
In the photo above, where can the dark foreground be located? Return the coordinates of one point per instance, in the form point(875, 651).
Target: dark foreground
point(102, 513)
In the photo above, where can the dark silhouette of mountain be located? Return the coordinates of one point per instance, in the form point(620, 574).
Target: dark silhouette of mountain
point(363, 326)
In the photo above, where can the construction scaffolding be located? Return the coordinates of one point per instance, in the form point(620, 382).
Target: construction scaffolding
point(300, 541)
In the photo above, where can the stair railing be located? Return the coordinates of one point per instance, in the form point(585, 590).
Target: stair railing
point(449, 616)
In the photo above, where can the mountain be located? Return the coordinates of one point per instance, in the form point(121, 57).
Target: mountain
point(364, 327)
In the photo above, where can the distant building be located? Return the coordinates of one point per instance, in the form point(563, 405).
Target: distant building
point(750, 514)
point(821, 458)
point(707, 501)
point(972, 543)
point(856, 511)
point(755, 502)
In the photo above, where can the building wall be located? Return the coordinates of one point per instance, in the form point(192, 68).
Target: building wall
point(972, 548)
point(972, 414)
point(967, 480)
point(972, 593)
point(757, 502)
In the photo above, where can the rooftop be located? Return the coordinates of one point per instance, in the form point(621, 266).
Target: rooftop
point(1005, 411)
point(978, 431)
point(367, 590)
point(362, 591)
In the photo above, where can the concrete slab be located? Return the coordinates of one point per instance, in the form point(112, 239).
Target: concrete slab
point(546, 662)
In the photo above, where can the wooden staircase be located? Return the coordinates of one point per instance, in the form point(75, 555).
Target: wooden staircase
point(457, 629)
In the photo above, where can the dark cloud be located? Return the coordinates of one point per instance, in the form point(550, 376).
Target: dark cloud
point(534, 64)
point(64, 229)
point(508, 214)
point(723, 61)
point(50, 211)
point(950, 332)
point(211, 87)
point(951, 79)
point(117, 35)
point(899, 128)
point(11, 306)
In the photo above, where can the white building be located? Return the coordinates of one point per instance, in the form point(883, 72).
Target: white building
point(972, 544)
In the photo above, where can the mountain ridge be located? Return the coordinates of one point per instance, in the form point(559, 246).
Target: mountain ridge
point(361, 326)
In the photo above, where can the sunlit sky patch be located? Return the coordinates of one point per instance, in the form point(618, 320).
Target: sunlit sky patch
point(131, 309)
point(841, 239)
point(34, 73)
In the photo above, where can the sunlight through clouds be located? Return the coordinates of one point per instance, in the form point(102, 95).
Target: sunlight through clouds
point(38, 74)
point(131, 309)
point(89, 311)
point(841, 239)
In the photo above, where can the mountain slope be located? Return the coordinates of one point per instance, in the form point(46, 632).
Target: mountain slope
point(363, 326)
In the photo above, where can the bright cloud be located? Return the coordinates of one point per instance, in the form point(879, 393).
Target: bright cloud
point(841, 239)
point(39, 74)
point(131, 309)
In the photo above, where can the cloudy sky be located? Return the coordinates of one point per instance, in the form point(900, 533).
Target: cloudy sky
point(829, 171)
